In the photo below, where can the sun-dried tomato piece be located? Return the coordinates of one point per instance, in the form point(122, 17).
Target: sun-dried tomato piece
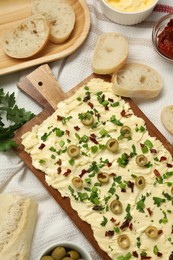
point(157, 173)
point(67, 172)
point(150, 212)
point(41, 146)
point(77, 128)
point(59, 162)
point(90, 105)
point(109, 233)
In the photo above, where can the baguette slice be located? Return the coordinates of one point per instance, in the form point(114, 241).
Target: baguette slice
point(26, 39)
point(137, 80)
point(110, 54)
point(17, 223)
point(167, 118)
point(60, 15)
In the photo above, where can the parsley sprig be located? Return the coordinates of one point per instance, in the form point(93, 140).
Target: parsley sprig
point(11, 118)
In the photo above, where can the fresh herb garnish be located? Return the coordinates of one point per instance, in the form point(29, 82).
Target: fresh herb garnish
point(123, 160)
point(104, 222)
point(158, 201)
point(126, 257)
point(15, 118)
point(141, 205)
point(115, 121)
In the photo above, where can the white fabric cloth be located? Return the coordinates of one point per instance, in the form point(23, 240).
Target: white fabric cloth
point(53, 224)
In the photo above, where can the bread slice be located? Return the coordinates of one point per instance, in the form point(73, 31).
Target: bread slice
point(110, 54)
point(137, 80)
point(60, 15)
point(17, 223)
point(26, 39)
point(167, 118)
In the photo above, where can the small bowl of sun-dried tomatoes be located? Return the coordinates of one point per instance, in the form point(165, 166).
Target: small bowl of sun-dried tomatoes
point(162, 37)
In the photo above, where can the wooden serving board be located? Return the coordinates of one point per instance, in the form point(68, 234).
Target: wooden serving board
point(12, 12)
point(42, 86)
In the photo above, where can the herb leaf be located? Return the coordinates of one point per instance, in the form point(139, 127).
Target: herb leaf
point(15, 118)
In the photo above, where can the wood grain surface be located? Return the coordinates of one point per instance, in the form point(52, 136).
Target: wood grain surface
point(12, 12)
point(42, 86)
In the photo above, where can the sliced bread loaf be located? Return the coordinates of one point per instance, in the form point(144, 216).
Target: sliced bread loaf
point(167, 118)
point(60, 15)
point(17, 223)
point(110, 54)
point(137, 80)
point(26, 39)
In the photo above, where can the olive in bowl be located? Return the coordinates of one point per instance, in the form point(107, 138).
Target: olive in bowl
point(65, 251)
point(162, 37)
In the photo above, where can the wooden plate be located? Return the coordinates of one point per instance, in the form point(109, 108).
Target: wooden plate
point(42, 86)
point(14, 11)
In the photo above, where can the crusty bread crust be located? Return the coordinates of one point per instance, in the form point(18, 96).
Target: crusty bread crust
point(17, 223)
point(110, 54)
point(137, 80)
point(167, 118)
point(26, 39)
point(60, 15)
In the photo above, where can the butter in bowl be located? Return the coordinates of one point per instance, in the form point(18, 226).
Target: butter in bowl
point(128, 12)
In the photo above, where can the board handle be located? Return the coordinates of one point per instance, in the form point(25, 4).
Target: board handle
point(42, 86)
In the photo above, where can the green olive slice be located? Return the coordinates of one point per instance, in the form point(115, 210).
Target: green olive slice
point(87, 119)
point(141, 160)
point(58, 253)
point(112, 145)
point(140, 182)
point(172, 190)
point(151, 231)
point(77, 182)
point(73, 254)
point(125, 131)
point(123, 241)
point(116, 207)
point(73, 151)
point(103, 177)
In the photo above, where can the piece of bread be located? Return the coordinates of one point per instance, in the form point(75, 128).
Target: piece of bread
point(28, 38)
point(167, 118)
point(60, 15)
point(110, 54)
point(17, 223)
point(137, 80)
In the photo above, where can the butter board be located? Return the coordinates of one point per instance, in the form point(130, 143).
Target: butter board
point(42, 86)
point(14, 12)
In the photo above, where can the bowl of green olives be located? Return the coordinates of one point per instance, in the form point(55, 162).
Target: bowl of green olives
point(65, 251)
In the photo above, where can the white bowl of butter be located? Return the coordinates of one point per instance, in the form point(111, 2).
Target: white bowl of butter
point(128, 12)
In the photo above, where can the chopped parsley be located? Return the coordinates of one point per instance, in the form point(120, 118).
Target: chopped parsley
point(104, 222)
point(128, 215)
point(138, 242)
point(140, 129)
point(123, 160)
point(155, 250)
point(65, 119)
point(158, 201)
point(126, 257)
point(141, 205)
point(94, 149)
point(115, 121)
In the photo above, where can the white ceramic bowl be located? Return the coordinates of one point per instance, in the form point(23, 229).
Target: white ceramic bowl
point(82, 251)
point(126, 18)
